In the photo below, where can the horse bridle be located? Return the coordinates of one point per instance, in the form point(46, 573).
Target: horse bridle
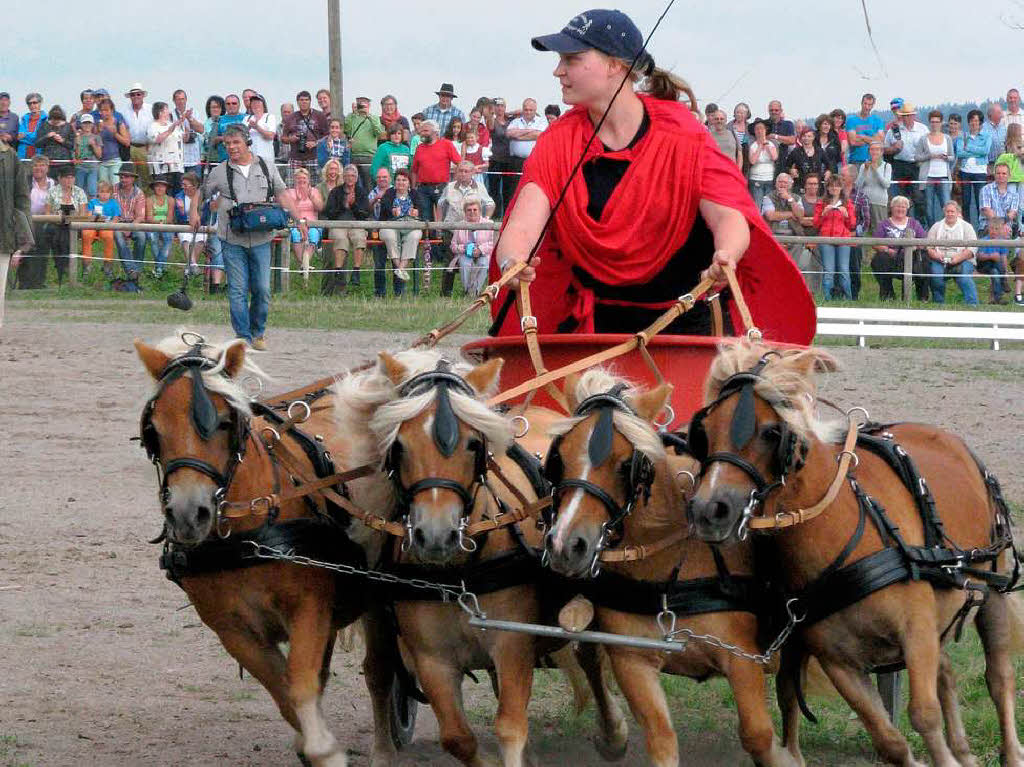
point(206, 421)
point(599, 447)
point(445, 433)
point(790, 454)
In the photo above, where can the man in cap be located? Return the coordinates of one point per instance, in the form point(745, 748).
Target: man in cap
point(138, 117)
point(900, 147)
point(8, 121)
point(131, 246)
point(443, 111)
point(895, 105)
point(246, 255)
point(363, 129)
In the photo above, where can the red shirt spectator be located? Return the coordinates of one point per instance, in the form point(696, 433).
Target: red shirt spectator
point(432, 163)
point(831, 222)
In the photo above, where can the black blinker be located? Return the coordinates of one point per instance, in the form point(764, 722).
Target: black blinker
point(743, 425)
point(446, 425)
point(600, 445)
point(204, 412)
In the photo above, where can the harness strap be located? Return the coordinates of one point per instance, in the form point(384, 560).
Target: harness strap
point(797, 516)
point(637, 551)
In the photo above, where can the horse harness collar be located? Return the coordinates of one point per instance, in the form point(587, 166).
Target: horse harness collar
point(638, 482)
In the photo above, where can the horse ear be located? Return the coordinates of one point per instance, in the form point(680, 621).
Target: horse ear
point(572, 382)
point(234, 359)
point(392, 368)
point(815, 361)
point(484, 377)
point(649, 404)
point(154, 360)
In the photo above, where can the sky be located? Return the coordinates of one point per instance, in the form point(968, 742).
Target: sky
point(821, 58)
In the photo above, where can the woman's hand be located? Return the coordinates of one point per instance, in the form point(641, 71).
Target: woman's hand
point(716, 272)
point(529, 274)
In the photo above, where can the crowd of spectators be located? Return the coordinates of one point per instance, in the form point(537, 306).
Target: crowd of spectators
point(859, 174)
point(840, 174)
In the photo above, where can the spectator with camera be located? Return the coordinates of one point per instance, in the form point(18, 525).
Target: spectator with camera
point(953, 261)
point(302, 131)
point(191, 133)
point(363, 129)
point(835, 216)
point(874, 180)
point(55, 138)
point(66, 200)
point(166, 152)
point(246, 184)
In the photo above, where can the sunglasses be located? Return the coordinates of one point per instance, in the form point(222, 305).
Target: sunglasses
point(33, 102)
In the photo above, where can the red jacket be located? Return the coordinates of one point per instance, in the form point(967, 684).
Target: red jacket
point(832, 223)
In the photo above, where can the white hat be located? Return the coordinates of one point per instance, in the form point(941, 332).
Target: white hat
point(135, 87)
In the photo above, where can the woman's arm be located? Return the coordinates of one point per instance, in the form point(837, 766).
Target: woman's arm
point(732, 237)
point(753, 152)
point(121, 134)
point(266, 133)
point(525, 223)
point(317, 199)
point(149, 211)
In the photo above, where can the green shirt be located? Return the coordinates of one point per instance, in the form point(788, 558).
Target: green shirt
point(1016, 170)
point(362, 132)
point(391, 156)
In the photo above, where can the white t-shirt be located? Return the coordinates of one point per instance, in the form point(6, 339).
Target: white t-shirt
point(244, 169)
point(523, 148)
point(961, 230)
point(264, 147)
point(167, 156)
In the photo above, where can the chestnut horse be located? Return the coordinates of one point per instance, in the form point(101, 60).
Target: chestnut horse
point(615, 485)
point(200, 430)
point(441, 446)
point(884, 579)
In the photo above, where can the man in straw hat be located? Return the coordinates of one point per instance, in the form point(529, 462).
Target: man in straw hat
point(443, 111)
point(900, 148)
point(139, 116)
point(15, 226)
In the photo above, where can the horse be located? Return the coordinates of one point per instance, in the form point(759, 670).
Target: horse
point(448, 465)
point(616, 497)
point(200, 430)
point(885, 546)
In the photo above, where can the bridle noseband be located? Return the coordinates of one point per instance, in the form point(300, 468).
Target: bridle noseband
point(445, 433)
point(790, 455)
point(638, 484)
point(206, 421)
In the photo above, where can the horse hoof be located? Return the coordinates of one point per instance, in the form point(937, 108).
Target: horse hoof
point(303, 760)
point(611, 751)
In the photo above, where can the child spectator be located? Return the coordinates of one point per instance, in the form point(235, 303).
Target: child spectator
point(158, 211)
point(476, 153)
point(392, 154)
point(88, 153)
point(993, 261)
point(102, 208)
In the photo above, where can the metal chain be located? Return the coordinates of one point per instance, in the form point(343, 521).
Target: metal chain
point(466, 599)
point(667, 621)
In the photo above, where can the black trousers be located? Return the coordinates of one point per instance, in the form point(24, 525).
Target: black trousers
point(893, 262)
point(902, 170)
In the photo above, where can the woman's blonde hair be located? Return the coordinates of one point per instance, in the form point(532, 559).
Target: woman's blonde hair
point(899, 199)
point(1014, 136)
point(300, 172)
point(660, 83)
point(335, 162)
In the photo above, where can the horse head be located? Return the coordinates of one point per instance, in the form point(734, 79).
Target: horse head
point(601, 463)
point(194, 428)
point(435, 434)
point(756, 437)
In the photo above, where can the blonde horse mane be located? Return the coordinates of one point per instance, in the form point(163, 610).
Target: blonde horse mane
point(637, 431)
point(788, 382)
point(370, 401)
point(229, 388)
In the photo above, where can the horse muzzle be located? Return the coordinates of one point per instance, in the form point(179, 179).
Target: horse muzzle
point(190, 512)
point(436, 537)
point(721, 516)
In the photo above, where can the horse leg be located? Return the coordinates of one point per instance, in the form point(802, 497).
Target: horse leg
point(861, 695)
point(614, 735)
point(310, 633)
point(790, 674)
point(956, 736)
point(513, 657)
point(379, 674)
point(757, 735)
point(442, 683)
point(638, 676)
point(921, 651)
point(993, 624)
point(267, 665)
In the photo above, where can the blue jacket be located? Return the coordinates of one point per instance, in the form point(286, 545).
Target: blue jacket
point(974, 146)
point(30, 136)
point(180, 218)
point(322, 155)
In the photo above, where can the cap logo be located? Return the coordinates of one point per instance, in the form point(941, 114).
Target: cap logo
point(579, 24)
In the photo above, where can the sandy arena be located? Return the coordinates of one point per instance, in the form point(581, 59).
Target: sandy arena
point(101, 667)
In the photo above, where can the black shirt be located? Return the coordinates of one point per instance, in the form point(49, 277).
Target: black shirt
point(679, 275)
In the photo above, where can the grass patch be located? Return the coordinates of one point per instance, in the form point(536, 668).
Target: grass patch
point(9, 745)
point(36, 630)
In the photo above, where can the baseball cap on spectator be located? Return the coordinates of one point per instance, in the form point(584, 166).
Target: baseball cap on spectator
point(4, 95)
point(611, 32)
point(365, 99)
point(896, 103)
point(86, 118)
point(101, 92)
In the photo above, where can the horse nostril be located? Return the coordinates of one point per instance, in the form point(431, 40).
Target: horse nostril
point(203, 515)
point(579, 547)
point(720, 511)
point(418, 537)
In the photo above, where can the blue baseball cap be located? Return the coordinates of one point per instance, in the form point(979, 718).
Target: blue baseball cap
point(896, 103)
point(610, 31)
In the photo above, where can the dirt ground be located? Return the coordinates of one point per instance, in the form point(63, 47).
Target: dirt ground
point(100, 666)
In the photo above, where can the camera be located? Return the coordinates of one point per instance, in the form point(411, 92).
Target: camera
point(897, 134)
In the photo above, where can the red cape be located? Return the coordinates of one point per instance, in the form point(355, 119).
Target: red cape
point(647, 221)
